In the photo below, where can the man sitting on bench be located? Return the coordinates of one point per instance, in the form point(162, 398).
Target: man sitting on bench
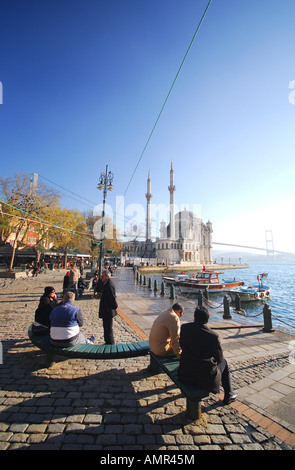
point(202, 362)
point(164, 335)
point(65, 321)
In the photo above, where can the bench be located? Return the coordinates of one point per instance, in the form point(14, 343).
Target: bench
point(193, 393)
point(88, 351)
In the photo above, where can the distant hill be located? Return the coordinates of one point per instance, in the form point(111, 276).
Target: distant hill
point(237, 257)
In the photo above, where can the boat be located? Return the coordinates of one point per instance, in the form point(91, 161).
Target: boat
point(173, 279)
point(252, 293)
point(205, 280)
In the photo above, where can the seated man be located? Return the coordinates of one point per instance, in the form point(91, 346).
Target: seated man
point(81, 286)
point(202, 362)
point(47, 302)
point(65, 321)
point(164, 335)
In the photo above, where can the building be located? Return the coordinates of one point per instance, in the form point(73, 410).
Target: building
point(185, 240)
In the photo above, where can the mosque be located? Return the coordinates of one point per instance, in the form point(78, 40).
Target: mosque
point(185, 240)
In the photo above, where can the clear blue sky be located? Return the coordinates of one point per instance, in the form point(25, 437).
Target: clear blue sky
point(84, 81)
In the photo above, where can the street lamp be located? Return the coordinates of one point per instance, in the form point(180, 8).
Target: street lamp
point(105, 184)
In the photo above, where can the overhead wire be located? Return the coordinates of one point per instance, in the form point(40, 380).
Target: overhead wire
point(168, 95)
point(44, 222)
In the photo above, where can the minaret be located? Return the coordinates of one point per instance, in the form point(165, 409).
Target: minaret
point(172, 208)
point(148, 209)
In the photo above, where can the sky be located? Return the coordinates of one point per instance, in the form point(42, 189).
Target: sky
point(90, 83)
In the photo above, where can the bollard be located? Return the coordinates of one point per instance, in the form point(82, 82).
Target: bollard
point(238, 302)
point(150, 283)
point(206, 293)
point(226, 315)
point(137, 276)
point(267, 319)
point(144, 280)
point(172, 292)
point(140, 279)
point(155, 285)
point(162, 288)
point(200, 299)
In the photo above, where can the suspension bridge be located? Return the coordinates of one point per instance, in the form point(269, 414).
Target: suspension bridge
point(269, 248)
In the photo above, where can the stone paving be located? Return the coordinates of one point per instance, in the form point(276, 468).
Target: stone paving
point(118, 405)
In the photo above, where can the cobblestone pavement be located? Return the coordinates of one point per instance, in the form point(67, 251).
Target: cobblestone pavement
point(108, 405)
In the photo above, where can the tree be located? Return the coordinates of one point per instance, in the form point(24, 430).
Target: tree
point(70, 226)
point(22, 204)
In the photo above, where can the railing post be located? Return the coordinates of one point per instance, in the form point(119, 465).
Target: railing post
point(226, 315)
point(172, 292)
point(267, 319)
point(238, 302)
point(200, 298)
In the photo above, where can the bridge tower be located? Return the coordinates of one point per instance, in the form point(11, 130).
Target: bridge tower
point(269, 245)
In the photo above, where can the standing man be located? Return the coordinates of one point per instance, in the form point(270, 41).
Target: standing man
point(165, 332)
point(108, 306)
point(73, 280)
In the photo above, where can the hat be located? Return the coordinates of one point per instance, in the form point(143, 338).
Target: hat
point(48, 290)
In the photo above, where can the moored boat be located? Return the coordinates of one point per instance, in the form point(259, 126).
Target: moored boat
point(205, 280)
point(252, 293)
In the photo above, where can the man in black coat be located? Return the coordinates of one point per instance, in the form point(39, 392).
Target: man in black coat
point(108, 306)
point(202, 362)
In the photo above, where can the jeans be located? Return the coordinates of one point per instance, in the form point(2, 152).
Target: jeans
point(79, 339)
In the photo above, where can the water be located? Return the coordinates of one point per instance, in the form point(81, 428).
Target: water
point(281, 279)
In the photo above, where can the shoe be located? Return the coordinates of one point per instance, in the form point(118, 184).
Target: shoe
point(229, 398)
point(90, 340)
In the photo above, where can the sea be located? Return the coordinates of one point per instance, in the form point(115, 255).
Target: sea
point(281, 280)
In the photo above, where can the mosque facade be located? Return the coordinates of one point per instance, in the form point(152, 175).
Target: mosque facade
point(186, 239)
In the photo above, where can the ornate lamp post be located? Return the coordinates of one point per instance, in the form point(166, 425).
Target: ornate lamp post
point(105, 184)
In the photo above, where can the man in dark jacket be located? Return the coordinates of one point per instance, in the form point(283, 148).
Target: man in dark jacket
point(47, 302)
point(202, 362)
point(108, 306)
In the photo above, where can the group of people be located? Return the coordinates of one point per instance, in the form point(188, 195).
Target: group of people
point(197, 347)
point(62, 320)
point(195, 344)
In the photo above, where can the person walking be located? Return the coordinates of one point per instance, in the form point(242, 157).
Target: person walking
point(201, 361)
point(165, 332)
point(108, 306)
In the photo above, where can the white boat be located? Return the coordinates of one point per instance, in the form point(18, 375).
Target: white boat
point(252, 293)
point(174, 279)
